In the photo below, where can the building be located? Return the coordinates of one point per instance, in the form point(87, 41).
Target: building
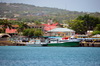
point(48, 27)
point(64, 32)
point(36, 26)
point(13, 30)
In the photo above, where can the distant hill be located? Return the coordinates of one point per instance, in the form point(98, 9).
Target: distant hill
point(28, 13)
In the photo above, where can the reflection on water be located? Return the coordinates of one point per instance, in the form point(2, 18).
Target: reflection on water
point(49, 56)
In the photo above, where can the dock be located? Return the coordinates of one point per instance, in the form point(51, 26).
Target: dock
point(90, 43)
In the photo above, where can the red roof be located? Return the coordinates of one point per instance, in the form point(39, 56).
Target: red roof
point(48, 27)
point(11, 30)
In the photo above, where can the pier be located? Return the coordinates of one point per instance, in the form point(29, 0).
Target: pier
point(90, 43)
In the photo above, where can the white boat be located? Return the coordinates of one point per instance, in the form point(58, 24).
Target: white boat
point(35, 43)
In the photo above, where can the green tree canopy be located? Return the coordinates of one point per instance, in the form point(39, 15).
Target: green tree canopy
point(84, 23)
point(32, 32)
point(97, 27)
point(22, 26)
point(96, 32)
point(6, 24)
point(37, 22)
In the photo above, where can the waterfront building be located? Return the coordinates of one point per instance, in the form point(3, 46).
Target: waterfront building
point(13, 30)
point(48, 27)
point(63, 32)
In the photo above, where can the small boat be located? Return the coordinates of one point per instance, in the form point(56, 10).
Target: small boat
point(35, 43)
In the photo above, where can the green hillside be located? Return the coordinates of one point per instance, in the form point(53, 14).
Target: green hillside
point(29, 13)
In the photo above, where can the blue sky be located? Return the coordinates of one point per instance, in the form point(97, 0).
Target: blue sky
point(72, 5)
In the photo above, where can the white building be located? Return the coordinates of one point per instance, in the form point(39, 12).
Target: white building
point(64, 32)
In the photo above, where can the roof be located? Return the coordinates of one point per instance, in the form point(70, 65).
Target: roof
point(11, 30)
point(61, 30)
point(48, 27)
point(15, 25)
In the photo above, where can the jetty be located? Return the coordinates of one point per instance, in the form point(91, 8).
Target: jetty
point(90, 43)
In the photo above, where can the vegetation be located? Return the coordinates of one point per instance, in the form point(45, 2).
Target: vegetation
point(84, 23)
point(22, 26)
point(32, 32)
point(31, 13)
point(1, 31)
point(37, 23)
point(96, 30)
point(5, 24)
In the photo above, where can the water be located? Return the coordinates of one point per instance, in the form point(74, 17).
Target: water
point(49, 56)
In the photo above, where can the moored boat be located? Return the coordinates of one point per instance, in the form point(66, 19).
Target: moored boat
point(48, 42)
point(62, 43)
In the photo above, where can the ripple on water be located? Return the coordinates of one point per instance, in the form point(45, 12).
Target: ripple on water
point(49, 56)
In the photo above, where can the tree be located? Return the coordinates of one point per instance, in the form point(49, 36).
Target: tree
point(37, 22)
point(84, 23)
point(96, 32)
point(6, 24)
point(97, 28)
point(78, 26)
point(1, 31)
point(22, 26)
point(89, 21)
point(32, 32)
point(38, 32)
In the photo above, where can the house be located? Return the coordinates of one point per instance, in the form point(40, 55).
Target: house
point(64, 32)
point(48, 27)
point(36, 26)
point(13, 30)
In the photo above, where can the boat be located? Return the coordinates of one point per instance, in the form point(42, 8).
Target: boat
point(71, 40)
point(67, 43)
point(34, 43)
point(48, 42)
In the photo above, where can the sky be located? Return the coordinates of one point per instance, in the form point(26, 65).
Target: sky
point(72, 5)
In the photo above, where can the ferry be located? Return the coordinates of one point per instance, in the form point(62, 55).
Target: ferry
point(64, 43)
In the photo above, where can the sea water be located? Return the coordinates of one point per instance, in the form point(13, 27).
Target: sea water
point(49, 56)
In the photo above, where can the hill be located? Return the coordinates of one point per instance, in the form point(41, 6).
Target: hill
point(29, 13)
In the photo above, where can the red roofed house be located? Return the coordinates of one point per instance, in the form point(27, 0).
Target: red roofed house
point(13, 30)
point(48, 27)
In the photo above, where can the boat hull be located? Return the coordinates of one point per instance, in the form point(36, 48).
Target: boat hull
point(34, 45)
point(65, 44)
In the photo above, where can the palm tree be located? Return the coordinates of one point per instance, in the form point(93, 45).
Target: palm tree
point(5, 24)
point(22, 26)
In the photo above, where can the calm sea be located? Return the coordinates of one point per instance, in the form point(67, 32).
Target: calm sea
point(49, 56)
